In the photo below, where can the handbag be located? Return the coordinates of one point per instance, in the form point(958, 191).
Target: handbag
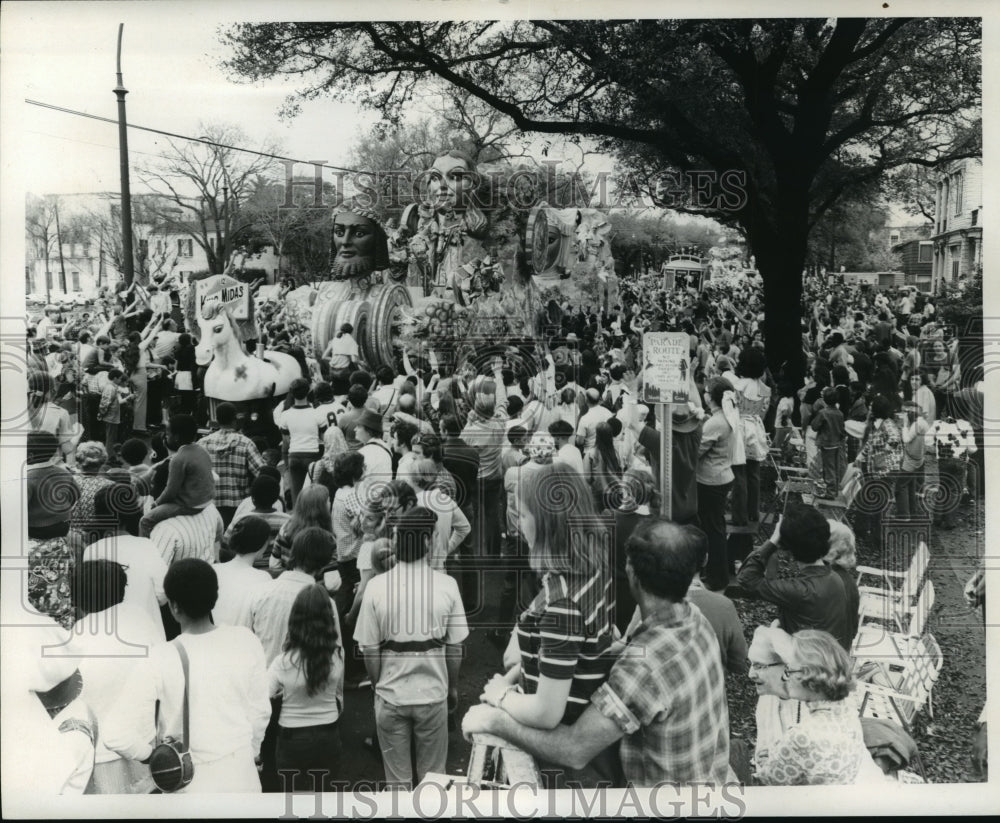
point(170, 764)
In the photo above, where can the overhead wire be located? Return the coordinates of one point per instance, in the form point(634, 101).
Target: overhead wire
point(204, 140)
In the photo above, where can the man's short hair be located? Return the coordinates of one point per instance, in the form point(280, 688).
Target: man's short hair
point(404, 432)
point(517, 436)
point(265, 489)
point(357, 395)
point(561, 428)
point(249, 534)
point(385, 375)
point(134, 451)
point(414, 529)
point(805, 532)
point(225, 414)
point(119, 504)
point(299, 388)
point(193, 586)
point(323, 392)
point(312, 550)
point(362, 378)
point(184, 428)
point(665, 556)
point(97, 585)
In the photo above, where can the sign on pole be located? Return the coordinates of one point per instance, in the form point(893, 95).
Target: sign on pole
point(227, 290)
point(666, 367)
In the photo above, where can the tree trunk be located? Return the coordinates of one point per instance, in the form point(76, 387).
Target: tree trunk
point(780, 258)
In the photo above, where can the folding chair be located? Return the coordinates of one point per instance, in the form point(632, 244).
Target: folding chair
point(906, 687)
point(836, 508)
point(876, 643)
point(894, 601)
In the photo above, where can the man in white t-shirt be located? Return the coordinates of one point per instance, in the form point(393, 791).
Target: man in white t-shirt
point(378, 458)
point(566, 452)
point(586, 429)
point(227, 687)
point(342, 351)
point(301, 435)
point(144, 565)
point(413, 664)
point(240, 584)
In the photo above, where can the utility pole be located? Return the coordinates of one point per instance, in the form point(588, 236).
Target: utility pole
point(62, 262)
point(120, 92)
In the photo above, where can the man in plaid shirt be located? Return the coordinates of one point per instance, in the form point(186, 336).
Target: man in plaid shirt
point(665, 697)
point(235, 459)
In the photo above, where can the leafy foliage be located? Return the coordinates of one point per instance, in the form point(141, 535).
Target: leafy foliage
point(805, 110)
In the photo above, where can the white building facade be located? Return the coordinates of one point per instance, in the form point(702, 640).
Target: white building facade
point(958, 223)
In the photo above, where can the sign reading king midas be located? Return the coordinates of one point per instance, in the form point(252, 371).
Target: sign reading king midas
point(226, 290)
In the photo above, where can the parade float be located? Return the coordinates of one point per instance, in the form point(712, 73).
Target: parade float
point(460, 279)
point(220, 312)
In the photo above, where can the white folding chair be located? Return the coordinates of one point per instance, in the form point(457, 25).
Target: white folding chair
point(836, 508)
point(894, 600)
point(906, 687)
point(874, 642)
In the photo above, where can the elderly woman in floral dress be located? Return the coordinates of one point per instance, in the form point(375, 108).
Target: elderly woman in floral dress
point(52, 550)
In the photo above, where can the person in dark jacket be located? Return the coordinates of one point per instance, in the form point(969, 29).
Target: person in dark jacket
point(815, 599)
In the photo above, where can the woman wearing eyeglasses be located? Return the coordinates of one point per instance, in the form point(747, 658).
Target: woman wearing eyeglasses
point(826, 745)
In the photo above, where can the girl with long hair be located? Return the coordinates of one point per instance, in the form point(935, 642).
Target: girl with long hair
point(714, 473)
point(312, 508)
point(309, 677)
point(564, 637)
point(602, 467)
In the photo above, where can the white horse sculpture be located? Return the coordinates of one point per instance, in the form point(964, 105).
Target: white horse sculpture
point(233, 375)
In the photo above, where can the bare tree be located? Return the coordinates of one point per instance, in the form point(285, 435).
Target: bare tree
point(204, 186)
point(41, 231)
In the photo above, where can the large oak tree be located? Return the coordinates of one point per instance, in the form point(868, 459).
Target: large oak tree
point(806, 109)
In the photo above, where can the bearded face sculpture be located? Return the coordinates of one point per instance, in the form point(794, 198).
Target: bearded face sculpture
point(360, 243)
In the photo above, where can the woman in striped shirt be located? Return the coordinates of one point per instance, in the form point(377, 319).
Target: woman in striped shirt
point(564, 637)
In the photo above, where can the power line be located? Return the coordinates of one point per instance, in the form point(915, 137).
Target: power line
point(188, 137)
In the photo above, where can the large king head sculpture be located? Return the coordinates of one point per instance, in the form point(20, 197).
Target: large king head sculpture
point(359, 241)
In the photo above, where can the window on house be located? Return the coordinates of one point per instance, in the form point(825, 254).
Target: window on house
point(185, 248)
point(211, 244)
point(159, 247)
point(48, 279)
point(76, 280)
point(894, 238)
point(975, 217)
point(29, 280)
point(925, 252)
point(958, 194)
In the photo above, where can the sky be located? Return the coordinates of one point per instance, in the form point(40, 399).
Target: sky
point(170, 65)
point(64, 55)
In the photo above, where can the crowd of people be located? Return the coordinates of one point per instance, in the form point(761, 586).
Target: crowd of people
point(342, 543)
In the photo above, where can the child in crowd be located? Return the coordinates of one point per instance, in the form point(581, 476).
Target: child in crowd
point(828, 423)
point(263, 501)
point(109, 413)
point(190, 479)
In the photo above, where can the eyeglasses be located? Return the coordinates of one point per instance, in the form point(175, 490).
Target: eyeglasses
point(751, 666)
point(787, 673)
